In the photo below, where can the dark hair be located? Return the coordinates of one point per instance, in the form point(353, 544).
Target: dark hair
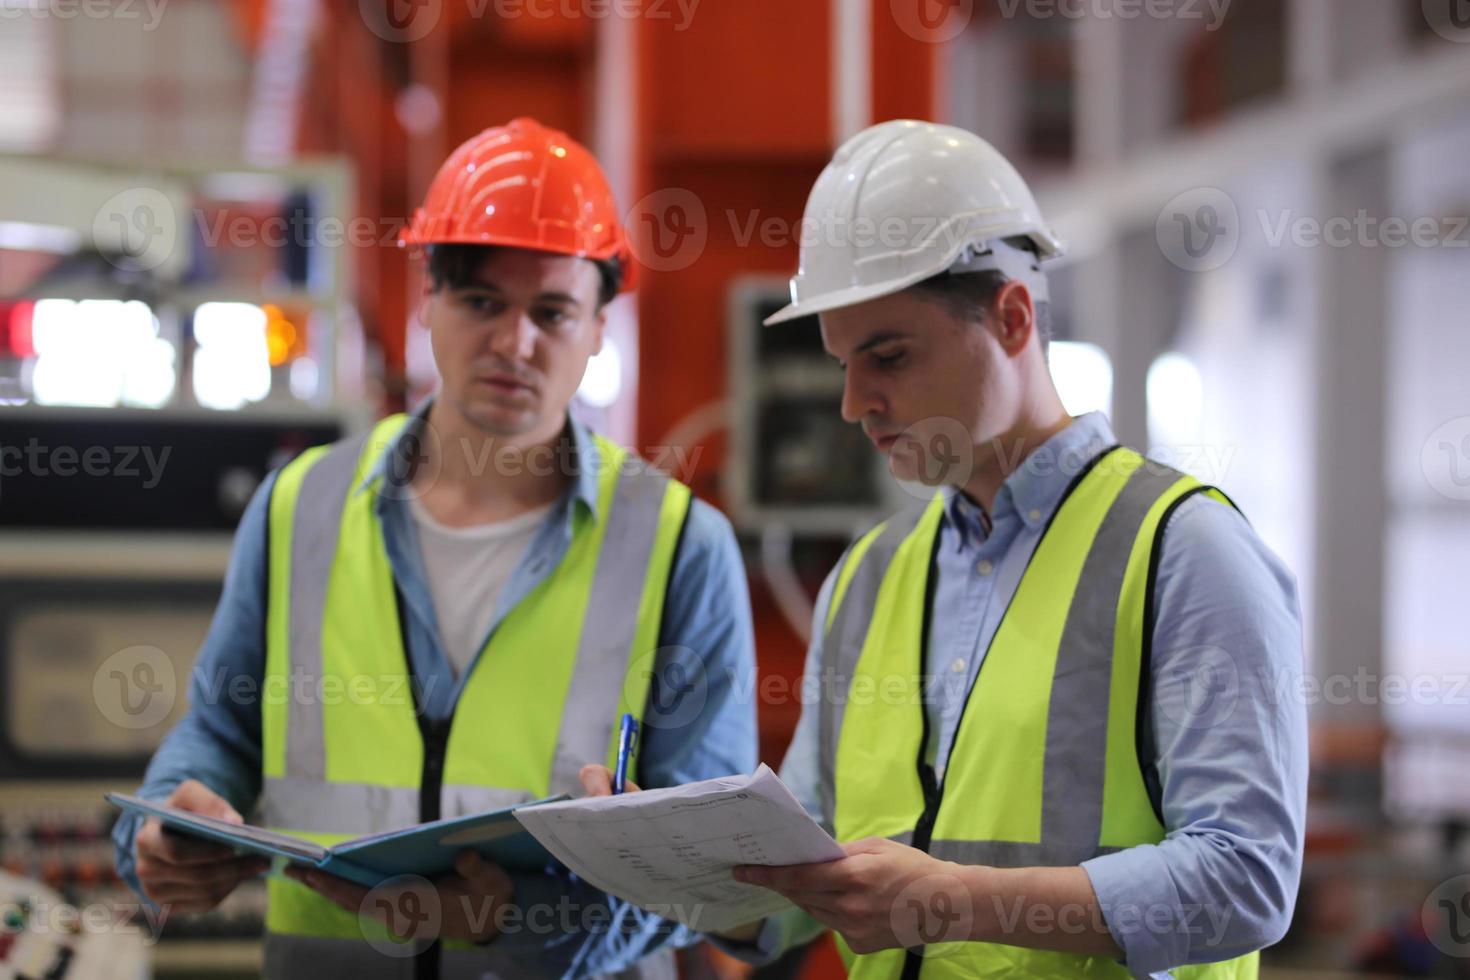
point(968, 295)
point(454, 266)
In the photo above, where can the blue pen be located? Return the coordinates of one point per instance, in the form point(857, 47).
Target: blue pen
point(627, 742)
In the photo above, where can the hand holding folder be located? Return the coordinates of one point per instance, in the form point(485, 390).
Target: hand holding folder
point(426, 849)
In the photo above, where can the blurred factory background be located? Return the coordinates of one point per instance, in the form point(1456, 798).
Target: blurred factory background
point(1268, 285)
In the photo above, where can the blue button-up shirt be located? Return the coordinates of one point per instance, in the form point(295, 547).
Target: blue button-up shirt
point(706, 644)
point(1231, 759)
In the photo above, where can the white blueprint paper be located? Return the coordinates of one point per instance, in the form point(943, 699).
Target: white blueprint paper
point(671, 850)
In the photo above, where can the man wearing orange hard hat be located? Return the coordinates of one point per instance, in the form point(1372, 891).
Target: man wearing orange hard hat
point(532, 580)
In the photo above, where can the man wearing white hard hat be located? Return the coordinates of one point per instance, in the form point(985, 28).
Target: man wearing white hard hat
point(1046, 734)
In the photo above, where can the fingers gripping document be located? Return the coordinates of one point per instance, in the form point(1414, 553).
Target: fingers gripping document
point(671, 850)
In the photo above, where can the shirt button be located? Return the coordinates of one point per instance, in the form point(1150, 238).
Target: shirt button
point(1035, 514)
point(984, 567)
point(958, 666)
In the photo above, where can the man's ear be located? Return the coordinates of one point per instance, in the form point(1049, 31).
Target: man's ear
point(599, 327)
point(421, 309)
point(1014, 317)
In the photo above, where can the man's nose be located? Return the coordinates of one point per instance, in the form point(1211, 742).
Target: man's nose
point(515, 338)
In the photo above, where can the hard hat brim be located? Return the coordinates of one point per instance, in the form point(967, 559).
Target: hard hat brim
point(851, 296)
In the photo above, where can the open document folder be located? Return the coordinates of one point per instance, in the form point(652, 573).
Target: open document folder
point(427, 849)
point(671, 850)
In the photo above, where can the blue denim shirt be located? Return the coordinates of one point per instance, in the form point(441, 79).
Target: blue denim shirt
point(706, 636)
point(1231, 758)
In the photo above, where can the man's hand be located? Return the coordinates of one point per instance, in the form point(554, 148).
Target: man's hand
point(879, 887)
point(186, 874)
point(469, 900)
point(598, 781)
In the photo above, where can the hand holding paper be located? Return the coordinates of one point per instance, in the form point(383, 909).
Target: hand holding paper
point(672, 850)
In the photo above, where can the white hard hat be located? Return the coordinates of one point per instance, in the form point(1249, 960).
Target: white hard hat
point(905, 200)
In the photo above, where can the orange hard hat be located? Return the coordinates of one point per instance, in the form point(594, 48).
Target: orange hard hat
point(526, 186)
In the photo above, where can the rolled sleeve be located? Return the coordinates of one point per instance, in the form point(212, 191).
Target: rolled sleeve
point(1227, 733)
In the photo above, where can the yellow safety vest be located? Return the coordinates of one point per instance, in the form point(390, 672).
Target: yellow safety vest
point(1045, 769)
point(342, 750)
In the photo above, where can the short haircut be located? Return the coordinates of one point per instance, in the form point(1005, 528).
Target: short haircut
point(454, 267)
point(968, 295)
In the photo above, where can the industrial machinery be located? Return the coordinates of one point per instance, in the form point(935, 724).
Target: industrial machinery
point(166, 339)
point(794, 462)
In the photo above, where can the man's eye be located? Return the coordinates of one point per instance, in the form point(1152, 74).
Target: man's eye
point(888, 360)
point(553, 317)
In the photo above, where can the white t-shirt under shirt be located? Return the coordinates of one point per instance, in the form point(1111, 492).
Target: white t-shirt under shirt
point(468, 567)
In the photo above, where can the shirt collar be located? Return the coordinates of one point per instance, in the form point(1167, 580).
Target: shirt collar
point(1035, 489)
point(395, 466)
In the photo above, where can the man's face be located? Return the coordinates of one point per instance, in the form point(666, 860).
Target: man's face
point(512, 345)
point(922, 381)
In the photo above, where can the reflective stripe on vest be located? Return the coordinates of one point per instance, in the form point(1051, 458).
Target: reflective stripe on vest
point(1044, 770)
point(342, 753)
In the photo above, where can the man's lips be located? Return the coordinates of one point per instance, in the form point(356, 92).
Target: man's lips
point(883, 442)
point(503, 383)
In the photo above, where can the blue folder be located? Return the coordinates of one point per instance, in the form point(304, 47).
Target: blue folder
point(428, 849)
